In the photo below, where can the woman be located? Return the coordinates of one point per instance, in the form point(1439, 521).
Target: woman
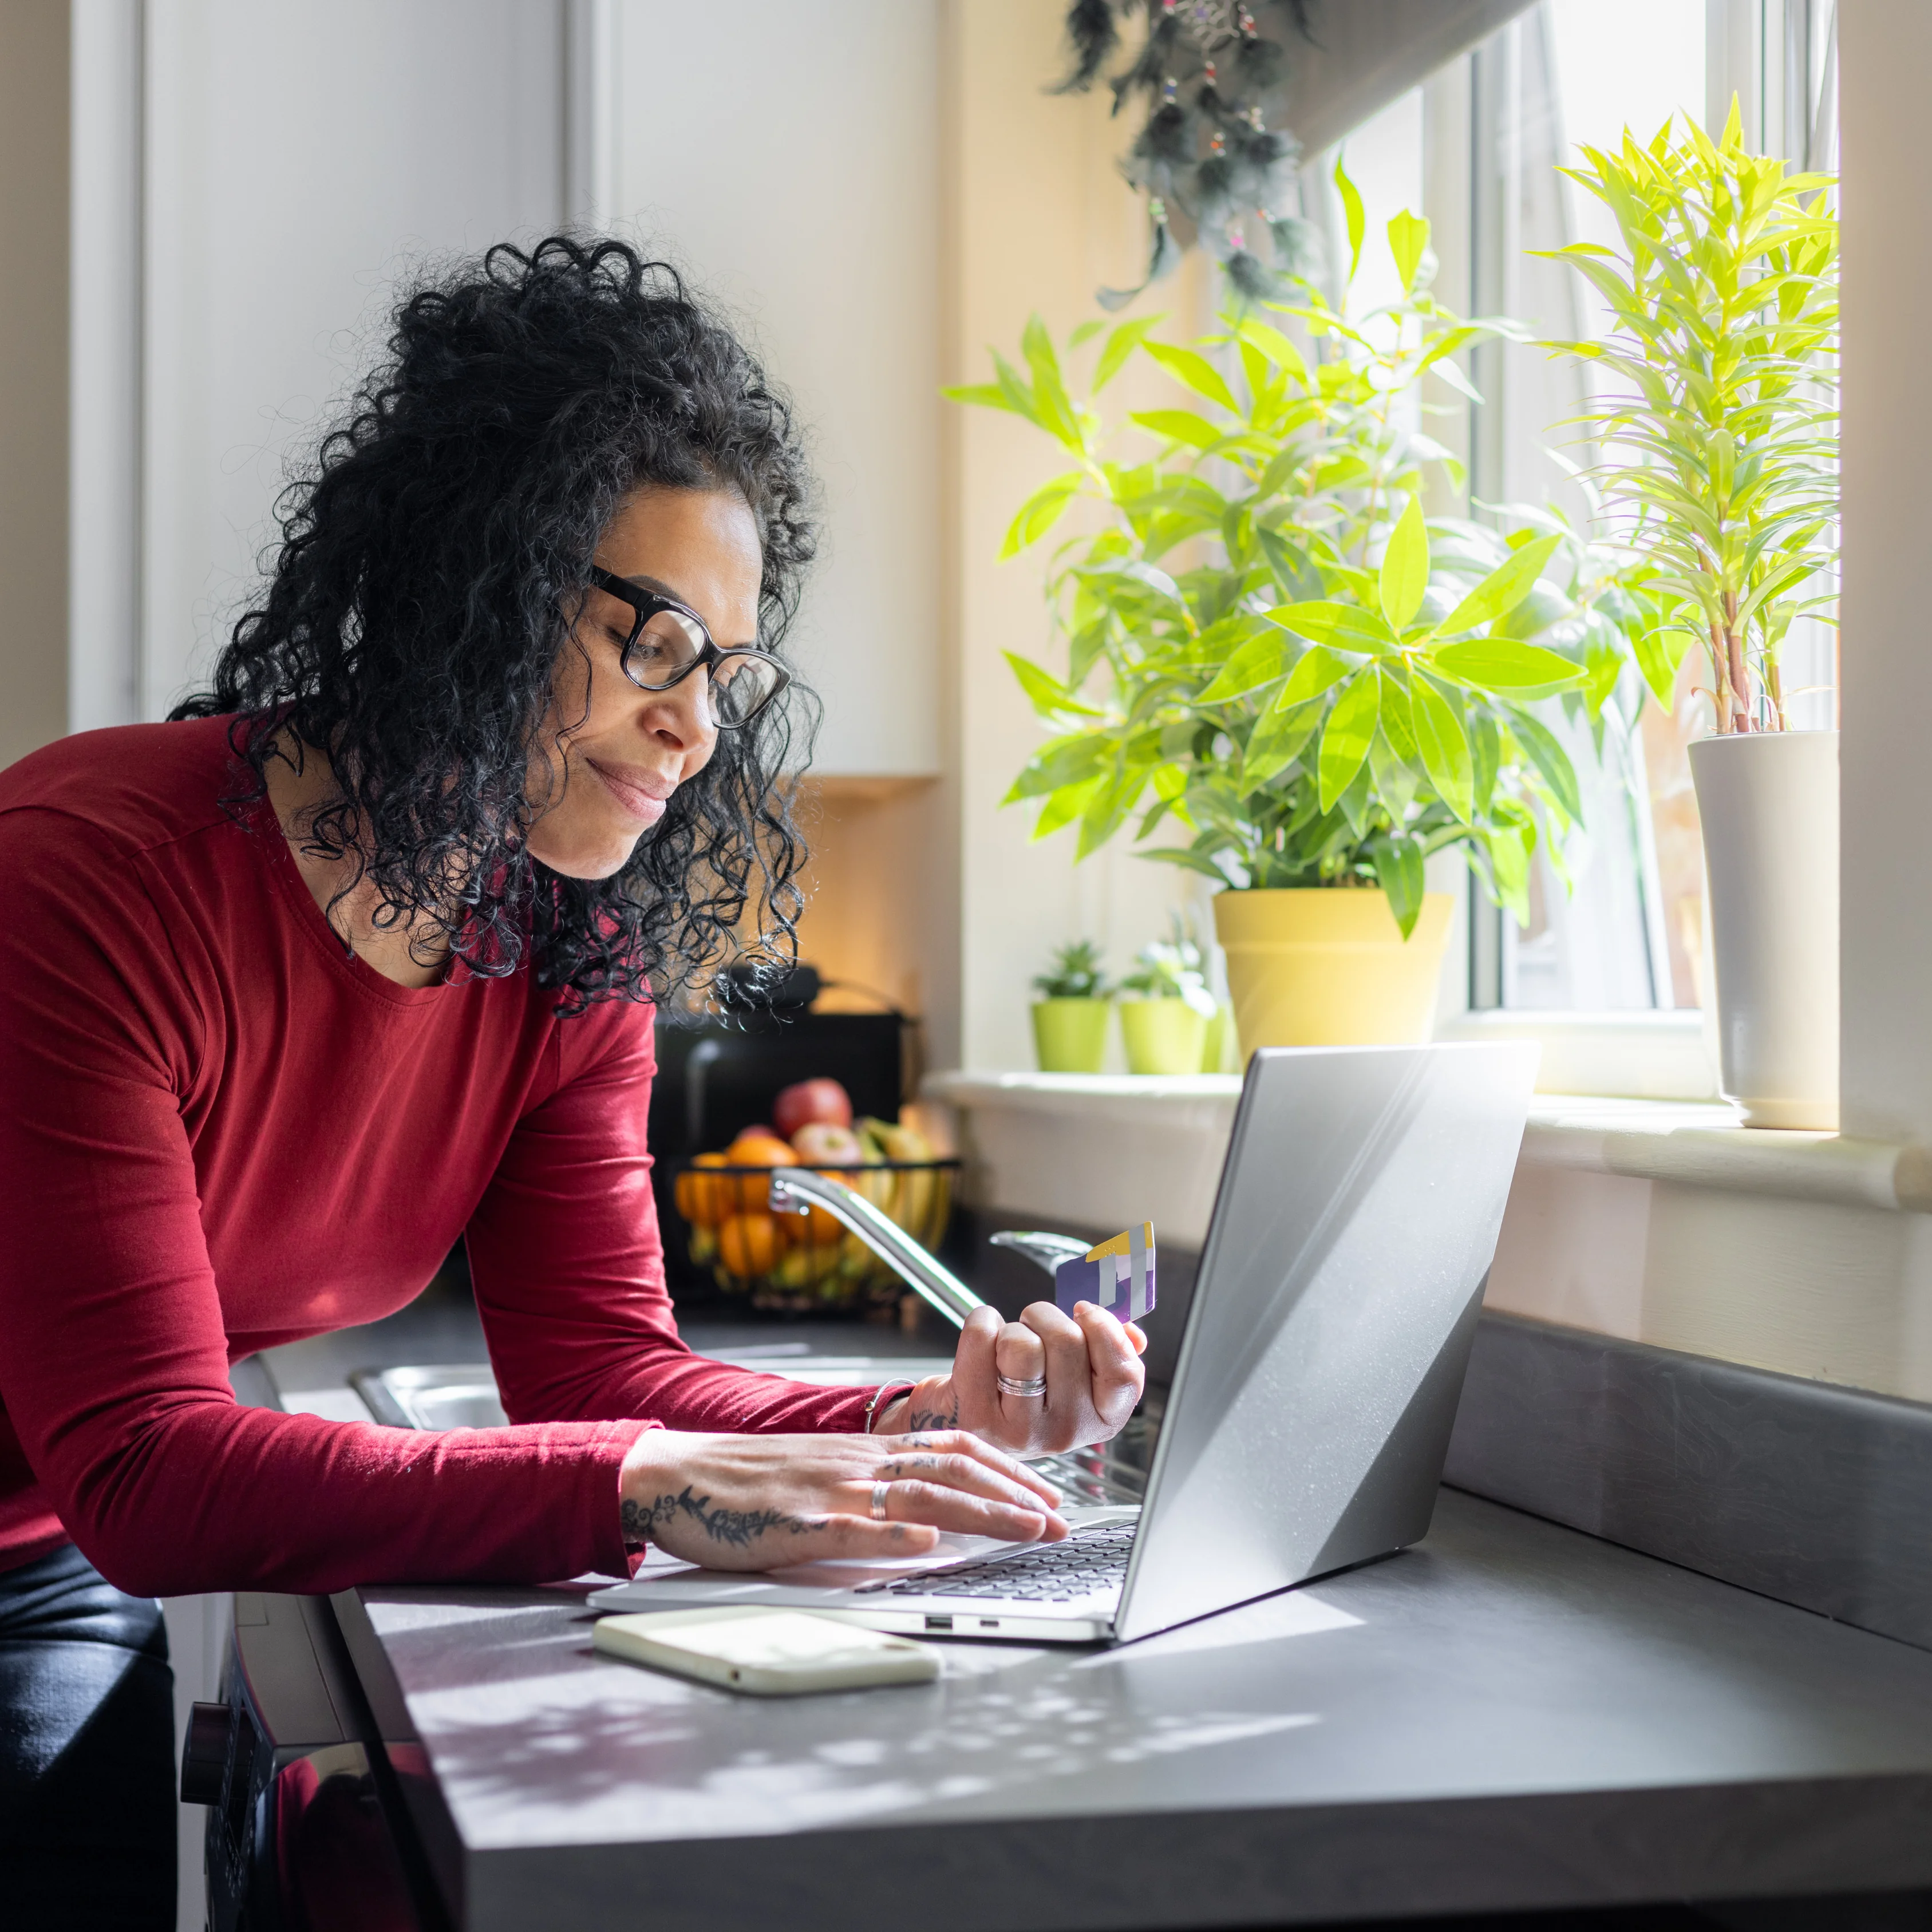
point(354, 956)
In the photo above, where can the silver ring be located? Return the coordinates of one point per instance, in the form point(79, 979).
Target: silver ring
point(1032, 1389)
point(879, 1489)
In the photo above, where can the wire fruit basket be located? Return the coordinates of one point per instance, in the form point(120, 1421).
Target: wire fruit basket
point(805, 1264)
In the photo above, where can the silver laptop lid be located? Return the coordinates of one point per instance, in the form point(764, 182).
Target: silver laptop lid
point(1325, 1347)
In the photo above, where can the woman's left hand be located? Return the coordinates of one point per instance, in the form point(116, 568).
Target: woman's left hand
point(1092, 1366)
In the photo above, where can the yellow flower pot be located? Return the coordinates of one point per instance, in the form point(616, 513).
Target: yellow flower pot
point(1070, 1035)
point(1327, 966)
point(1162, 1035)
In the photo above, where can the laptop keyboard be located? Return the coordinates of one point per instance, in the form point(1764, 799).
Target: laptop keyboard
point(1047, 1573)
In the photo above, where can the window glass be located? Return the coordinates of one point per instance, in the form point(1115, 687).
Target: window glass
point(1626, 930)
point(1630, 932)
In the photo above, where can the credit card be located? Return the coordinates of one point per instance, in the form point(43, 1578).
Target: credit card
point(1116, 1276)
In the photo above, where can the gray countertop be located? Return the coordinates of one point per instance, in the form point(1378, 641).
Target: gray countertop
point(1512, 1715)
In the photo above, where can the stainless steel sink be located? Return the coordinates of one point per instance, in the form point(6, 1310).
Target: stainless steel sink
point(462, 1395)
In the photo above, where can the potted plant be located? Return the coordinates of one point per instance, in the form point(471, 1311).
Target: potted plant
point(1722, 439)
point(1165, 1027)
point(1069, 1018)
point(1328, 690)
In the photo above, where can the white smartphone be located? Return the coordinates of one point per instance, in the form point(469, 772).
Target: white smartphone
point(767, 1653)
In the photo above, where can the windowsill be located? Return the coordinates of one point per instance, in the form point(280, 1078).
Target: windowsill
point(1703, 1146)
point(1645, 1056)
point(1690, 1143)
point(1096, 1094)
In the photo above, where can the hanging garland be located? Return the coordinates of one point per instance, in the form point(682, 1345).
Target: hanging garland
point(1205, 151)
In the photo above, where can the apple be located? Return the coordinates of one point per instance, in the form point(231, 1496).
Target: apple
point(811, 1100)
point(826, 1144)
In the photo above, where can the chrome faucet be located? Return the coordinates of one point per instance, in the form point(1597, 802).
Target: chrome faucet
point(794, 1189)
point(1043, 1249)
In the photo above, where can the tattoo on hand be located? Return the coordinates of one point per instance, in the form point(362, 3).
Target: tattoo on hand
point(739, 1528)
point(918, 1418)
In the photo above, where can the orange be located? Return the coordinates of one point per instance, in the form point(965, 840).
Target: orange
point(818, 1227)
point(750, 1244)
point(701, 1200)
point(755, 1149)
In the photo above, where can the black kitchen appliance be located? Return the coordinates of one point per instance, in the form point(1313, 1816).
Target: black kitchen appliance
point(308, 1829)
point(718, 1072)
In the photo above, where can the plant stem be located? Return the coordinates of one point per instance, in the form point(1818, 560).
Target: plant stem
point(1737, 668)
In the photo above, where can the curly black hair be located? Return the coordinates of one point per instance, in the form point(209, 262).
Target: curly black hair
point(414, 615)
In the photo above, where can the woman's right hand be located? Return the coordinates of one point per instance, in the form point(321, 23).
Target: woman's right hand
point(759, 1502)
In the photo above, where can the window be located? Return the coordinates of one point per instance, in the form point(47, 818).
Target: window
point(1630, 934)
point(1478, 148)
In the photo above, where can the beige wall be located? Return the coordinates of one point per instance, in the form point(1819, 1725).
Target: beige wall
point(1037, 217)
point(881, 911)
point(33, 373)
point(1886, 681)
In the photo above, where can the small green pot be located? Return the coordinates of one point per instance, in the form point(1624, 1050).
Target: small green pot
point(1163, 1036)
point(1070, 1035)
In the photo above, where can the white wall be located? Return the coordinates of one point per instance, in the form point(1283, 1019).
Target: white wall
point(1886, 900)
point(789, 156)
point(299, 158)
point(33, 355)
point(251, 177)
point(1039, 218)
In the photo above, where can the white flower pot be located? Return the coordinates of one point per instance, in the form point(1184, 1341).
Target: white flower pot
point(1769, 801)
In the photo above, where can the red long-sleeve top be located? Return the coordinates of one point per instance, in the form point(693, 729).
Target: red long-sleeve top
point(219, 1132)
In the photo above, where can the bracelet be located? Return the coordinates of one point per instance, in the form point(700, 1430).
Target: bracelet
point(879, 1401)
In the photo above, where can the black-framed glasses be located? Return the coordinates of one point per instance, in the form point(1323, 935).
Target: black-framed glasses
point(668, 641)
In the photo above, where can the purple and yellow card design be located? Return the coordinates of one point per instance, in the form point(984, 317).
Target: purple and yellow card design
point(1116, 1276)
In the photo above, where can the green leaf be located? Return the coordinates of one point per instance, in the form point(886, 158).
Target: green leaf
point(1105, 812)
point(1047, 694)
point(1258, 662)
point(1200, 375)
point(1289, 565)
point(1070, 760)
point(1353, 212)
point(1659, 651)
point(1279, 349)
point(1318, 669)
point(1444, 746)
point(982, 396)
point(1346, 626)
point(1346, 737)
point(1065, 805)
point(1399, 868)
point(1017, 392)
point(1408, 237)
point(1397, 781)
point(1178, 426)
point(1486, 758)
point(1509, 847)
point(1501, 664)
point(1404, 573)
point(1085, 332)
point(1040, 512)
point(1357, 804)
point(1503, 589)
point(1122, 343)
point(1056, 407)
point(1549, 757)
point(1194, 861)
point(1276, 742)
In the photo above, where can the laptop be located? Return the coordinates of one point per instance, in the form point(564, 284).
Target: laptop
point(1317, 1381)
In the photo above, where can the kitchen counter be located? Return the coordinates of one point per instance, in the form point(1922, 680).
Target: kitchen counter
point(1512, 1715)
